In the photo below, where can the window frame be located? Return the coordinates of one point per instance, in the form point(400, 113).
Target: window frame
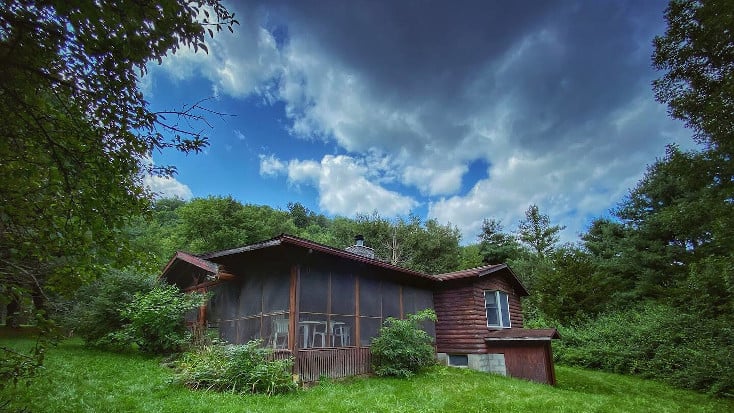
point(501, 309)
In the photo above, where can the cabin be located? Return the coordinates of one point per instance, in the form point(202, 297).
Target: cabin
point(324, 305)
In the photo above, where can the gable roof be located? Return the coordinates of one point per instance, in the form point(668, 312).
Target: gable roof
point(481, 272)
point(202, 262)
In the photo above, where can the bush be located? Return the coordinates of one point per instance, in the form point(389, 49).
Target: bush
point(655, 341)
point(402, 348)
point(155, 320)
point(245, 368)
point(97, 309)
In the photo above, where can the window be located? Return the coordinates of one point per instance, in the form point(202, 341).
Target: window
point(497, 305)
point(458, 360)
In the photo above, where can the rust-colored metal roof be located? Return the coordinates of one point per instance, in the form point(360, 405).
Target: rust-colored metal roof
point(285, 239)
point(519, 334)
point(481, 272)
point(202, 261)
point(193, 260)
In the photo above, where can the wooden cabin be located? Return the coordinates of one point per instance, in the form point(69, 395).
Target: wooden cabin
point(324, 305)
point(480, 325)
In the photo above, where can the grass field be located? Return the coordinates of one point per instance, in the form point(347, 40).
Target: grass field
point(76, 379)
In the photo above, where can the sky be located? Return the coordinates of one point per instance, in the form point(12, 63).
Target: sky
point(450, 110)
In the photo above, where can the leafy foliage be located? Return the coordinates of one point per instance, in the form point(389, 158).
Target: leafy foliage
point(98, 307)
point(655, 341)
point(155, 320)
point(402, 348)
point(697, 55)
point(245, 368)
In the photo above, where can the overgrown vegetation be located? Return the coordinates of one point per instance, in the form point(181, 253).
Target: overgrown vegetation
point(402, 348)
point(657, 342)
point(125, 308)
point(245, 368)
point(97, 310)
point(95, 381)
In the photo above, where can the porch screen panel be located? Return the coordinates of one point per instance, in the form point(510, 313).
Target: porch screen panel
point(342, 294)
point(227, 300)
point(368, 328)
point(390, 300)
point(213, 306)
point(228, 331)
point(248, 329)
point(370, 300)
point(314, 291)
point(276, 292)
point(423, 300)
point(250, 297)
point(409, 300)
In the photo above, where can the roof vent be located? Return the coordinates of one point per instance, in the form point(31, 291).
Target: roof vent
point(360, 249)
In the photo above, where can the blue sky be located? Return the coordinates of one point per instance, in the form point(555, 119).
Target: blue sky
point(457, 111)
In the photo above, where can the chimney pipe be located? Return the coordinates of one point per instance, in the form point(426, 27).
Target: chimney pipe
point(359, 241)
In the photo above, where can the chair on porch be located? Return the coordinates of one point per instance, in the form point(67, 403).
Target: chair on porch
point(321, 331)
point(280, 332)
point(341, 332)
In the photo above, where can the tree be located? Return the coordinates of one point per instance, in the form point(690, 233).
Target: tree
point(76, 130)
point(537, 233)
point(496, 246)
point(697, 55)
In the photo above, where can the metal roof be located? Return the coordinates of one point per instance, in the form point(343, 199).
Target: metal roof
point(202, 260)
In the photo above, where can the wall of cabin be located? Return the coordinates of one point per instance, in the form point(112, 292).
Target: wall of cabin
point(462, 321)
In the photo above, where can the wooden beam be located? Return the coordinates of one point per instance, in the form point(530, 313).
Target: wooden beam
point(293, 307)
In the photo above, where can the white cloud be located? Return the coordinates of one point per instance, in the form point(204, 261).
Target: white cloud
point(345, 190)
point(271, 166)
point(167, 187)
point(555, 100)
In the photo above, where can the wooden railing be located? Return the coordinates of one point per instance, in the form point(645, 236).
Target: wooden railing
point(333, 363)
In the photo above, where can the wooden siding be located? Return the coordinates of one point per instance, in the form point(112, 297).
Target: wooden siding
point(531, 360)
point(462, 322)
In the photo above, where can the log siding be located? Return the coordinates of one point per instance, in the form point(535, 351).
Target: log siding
point(462, 321)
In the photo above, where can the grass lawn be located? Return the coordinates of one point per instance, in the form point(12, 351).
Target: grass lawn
point(76, 379)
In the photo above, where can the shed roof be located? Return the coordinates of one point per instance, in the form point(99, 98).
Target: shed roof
point(522, 334)
point(481, 272)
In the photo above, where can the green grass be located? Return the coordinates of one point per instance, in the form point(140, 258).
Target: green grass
point(76, 379)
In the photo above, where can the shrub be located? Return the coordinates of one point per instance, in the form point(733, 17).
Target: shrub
point(155, 320)
point(402, 348)
point(97, 309)
point(655, 341)
point(246, 368)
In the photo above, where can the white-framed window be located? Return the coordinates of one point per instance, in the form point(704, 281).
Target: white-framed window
point(497, 306)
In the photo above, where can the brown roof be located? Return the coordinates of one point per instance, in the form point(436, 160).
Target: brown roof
point(193, 260)
point(513, 334)
point(481, 272)
point(285, 239)
point(202, 261)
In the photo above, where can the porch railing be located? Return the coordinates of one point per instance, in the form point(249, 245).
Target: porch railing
point(333, 363)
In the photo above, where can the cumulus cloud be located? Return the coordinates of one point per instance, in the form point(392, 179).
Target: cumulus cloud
point(167, 187)
point(554, 97)
point(345, 190)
